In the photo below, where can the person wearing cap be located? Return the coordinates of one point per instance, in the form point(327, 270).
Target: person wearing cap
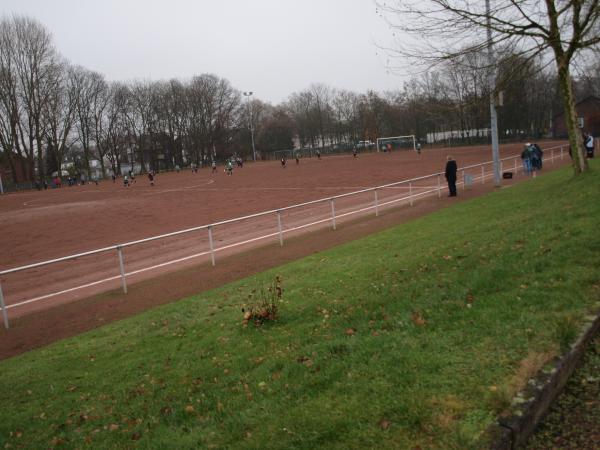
point(450, 174)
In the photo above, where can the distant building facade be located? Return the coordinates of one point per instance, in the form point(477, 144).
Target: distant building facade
point(588, 117)
point(16, 173)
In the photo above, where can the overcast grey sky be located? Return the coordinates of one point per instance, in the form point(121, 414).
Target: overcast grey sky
point(271, 47)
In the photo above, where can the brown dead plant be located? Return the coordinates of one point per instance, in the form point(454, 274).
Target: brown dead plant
point(263, 304)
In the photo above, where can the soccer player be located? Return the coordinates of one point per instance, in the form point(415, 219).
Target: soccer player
point(151, 178)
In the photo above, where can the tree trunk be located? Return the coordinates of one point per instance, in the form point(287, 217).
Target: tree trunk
point(580, 163)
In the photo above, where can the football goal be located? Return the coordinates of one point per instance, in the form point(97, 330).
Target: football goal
point(388, 144)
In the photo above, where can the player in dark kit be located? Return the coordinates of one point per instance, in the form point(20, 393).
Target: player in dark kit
point(283, 162)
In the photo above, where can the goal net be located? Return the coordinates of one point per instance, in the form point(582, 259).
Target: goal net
point(390, 144)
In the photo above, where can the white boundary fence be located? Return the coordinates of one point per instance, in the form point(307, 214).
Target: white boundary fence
point(509, 163)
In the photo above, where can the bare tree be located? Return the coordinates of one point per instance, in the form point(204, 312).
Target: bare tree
point(28, 68)
point(560, 29)
point(115, 132)
point(59, 114)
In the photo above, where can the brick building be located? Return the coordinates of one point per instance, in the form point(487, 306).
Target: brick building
point(22, 167)
point(588, 113)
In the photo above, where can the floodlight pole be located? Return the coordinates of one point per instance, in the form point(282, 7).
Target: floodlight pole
point(247, 95)
point(492, 86)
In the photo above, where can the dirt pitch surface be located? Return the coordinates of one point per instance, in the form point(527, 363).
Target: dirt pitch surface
point(39, 226)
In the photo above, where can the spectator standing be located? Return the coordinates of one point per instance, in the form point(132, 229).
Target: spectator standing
point(538, 154)
point(588, 142)
point(526, 158)
point(451, 169)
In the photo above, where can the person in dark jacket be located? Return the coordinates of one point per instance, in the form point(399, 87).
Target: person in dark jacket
point(451, 170)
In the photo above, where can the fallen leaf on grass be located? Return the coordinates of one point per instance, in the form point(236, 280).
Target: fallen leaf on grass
point(113, 427)
point(189, 409)
point(384, 424)
point(166, 410)
point(418, 319)
point(136, 436)
point(350, 331)
point(55, 442)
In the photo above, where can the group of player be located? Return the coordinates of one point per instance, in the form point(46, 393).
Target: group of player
point(130, 179)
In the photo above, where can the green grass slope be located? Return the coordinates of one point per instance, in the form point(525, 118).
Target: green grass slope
point(414, 337)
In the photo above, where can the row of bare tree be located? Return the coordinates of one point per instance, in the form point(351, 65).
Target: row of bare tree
point(51, 110)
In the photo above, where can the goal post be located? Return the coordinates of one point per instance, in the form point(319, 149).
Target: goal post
point(391, 143)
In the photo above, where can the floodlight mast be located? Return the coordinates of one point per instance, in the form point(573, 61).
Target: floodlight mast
point(247, 95)
point(492, 86)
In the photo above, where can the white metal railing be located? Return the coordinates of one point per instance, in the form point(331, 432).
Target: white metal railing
point(280, 231)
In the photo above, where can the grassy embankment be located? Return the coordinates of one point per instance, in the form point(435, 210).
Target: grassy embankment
point(417, 336)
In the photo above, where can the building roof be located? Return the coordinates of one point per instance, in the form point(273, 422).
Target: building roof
point(588, 98)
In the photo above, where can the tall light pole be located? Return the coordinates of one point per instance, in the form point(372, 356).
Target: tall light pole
point(247, 95)
point(492, 86)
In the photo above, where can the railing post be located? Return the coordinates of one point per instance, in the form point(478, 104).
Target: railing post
point(410, 198)
point(212, 247)
point(279, 228)
point(552, 156)
point(4, 314)
point(376, 204)
point(516, 170)
point(561, 153)
point(333, 213)
point(482, 174)
point(439, 186)
point(122, 269)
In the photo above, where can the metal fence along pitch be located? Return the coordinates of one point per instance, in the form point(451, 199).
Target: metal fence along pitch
point(377, 204)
